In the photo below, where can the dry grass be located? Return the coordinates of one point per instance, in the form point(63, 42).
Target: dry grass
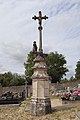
point(21, 112)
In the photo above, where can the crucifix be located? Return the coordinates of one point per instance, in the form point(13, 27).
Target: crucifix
point(40, 18)
point(40, 100)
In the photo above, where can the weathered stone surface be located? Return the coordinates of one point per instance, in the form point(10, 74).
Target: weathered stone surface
point(40, 88)
point(39, 59)
point(40, 106)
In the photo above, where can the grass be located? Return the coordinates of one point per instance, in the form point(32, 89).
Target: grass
point(21, 112)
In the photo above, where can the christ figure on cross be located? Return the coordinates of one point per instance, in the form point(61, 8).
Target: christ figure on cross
point(40, 18)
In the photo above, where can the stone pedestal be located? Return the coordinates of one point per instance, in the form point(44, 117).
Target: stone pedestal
point(40, 104)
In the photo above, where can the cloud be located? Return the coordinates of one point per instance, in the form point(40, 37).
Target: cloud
point(17, 30)
point(1, 66)
point(15, 51)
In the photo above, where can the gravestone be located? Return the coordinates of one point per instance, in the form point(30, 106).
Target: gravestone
point(78, 86)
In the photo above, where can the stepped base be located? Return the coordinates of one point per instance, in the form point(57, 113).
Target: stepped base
point(40, 106)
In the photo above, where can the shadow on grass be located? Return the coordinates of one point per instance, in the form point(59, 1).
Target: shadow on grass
point(61, 108)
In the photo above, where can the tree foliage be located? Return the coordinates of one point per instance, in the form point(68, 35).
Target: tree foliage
point(72, 79)
point(77, 70)
point(28, 67)
point(65, 80)
point(9, 79)
point(56, 66)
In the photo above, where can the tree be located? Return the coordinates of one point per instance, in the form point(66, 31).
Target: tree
point(64, 80)
point(72, 79)
point(9, 79)
point(17, 80)
point(6, 78)
point(56, 66)
point(28, 67)
point(77, 70)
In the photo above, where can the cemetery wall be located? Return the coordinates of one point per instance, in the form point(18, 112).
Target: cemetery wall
point(71, 84)
point(18, 89)
point(15, 89)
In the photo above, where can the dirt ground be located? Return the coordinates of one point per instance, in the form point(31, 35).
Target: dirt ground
point(59, 111)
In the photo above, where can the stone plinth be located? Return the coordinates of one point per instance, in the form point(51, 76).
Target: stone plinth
point(40, 104)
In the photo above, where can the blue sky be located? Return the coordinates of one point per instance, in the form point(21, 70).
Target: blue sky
point(18, 31)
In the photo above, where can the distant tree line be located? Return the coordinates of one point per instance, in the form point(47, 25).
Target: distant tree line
point(76, 77)
point(9, 79)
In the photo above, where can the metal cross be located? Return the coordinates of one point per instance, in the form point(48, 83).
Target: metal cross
point(40, 18)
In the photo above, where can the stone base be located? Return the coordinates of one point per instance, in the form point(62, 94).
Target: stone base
point(40, 106)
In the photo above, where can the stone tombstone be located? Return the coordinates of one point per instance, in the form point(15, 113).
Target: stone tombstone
point(78, 86)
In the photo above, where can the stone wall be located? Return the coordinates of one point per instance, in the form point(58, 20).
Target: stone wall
point(18, 89)
point(15, 89)
point(71, 84)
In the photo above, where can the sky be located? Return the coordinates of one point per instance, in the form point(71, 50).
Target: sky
point(61, 32)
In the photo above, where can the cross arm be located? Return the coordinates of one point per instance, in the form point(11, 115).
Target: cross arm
point(34, 17)
point(45, 17)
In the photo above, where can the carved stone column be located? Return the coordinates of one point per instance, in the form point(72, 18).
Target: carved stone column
point(40, 104)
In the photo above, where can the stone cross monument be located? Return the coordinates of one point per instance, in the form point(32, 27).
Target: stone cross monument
point(40, 18)
point(40, 104)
